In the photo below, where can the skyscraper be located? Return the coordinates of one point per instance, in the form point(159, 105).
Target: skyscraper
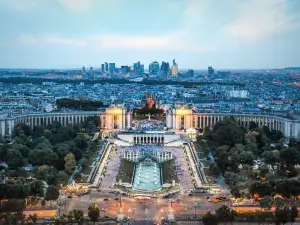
point(164, 68)
point(154, 68)
point(211, 71)
point(83, 69)
point(174, 70)
point(112, 67)
point(190, 73)
point(102, 68)
point(106, 67)
point(141, 69)
point(125, 69)
point(136, 66)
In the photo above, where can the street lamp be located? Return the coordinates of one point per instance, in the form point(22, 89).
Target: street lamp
point(161, 212)
point(129, 211)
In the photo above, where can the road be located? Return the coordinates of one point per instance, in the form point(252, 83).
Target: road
point(155, 208)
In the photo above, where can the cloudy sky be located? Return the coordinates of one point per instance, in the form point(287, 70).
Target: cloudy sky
point(222, 33)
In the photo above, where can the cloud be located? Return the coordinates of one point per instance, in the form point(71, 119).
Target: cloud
point(77, 6)
point(50, 39)
point(259, 18)
point(171, 42)
point(20, 5)
point(80, 6)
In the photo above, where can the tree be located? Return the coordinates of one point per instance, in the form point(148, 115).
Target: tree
point(62, 149)
point(283, 213)
point(290, 156)
point(251, 147)
point(70, 163)
point(283, 188)
point(52, 193)
point(14, 159)
point(252, 125)
point(294, 213)
point(37, 188)
point(33, 218)
point(62, 178)
point(44, 171)
point(228, 132)
point(266, 203)
point(78, 216)
point(261, 188)
point(94, 213)
point(41, 157)
point(209, 219)
point(225, 214)
point(271, 157)
point(235, 192)
point(247, 158)
point(42, 143)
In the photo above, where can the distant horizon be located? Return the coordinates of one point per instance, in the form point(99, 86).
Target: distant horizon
point(67, 33)
point(203, 69)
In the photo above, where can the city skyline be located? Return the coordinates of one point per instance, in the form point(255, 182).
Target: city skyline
point(65, 34)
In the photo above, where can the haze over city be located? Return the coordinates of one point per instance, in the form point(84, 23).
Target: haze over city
point(149, 112)
point(228, 34)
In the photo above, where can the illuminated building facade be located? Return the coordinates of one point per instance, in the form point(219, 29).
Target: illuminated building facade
point(179, 117)
point(182, 117)
point(174, 70)
point(150, 101)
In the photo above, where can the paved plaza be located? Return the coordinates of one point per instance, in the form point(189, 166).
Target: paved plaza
point(182, 171)
point(112, 170)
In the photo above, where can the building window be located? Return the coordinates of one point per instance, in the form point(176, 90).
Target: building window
point(182, 122)
point(115, 122)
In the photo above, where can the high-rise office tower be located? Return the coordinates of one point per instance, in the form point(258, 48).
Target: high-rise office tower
point(154, 68)
point(211, 71)
point(174, 70)
point(190, 73)
point(164, 68)
point(102, 68)
point(112, 67)
point(83, 69)
point(106, 67)
point(136, 66)
point(141, 69)
point(125, 69)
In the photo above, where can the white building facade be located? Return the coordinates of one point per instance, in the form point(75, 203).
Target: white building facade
point(118, 117)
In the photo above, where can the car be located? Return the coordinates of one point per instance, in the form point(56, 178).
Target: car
point(49, 218)
point(106, 199)
point(190, 194)
point(99, 190)
point(209, 200)
point(117, 199)
point(155, 223)
point(69, 196)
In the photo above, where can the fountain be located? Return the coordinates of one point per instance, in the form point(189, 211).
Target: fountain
point(147, 176)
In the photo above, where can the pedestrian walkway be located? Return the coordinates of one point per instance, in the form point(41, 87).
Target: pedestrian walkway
point(111, 170)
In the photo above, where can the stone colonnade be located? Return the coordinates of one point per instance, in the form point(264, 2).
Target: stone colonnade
point(148, 138)
point(189, 119)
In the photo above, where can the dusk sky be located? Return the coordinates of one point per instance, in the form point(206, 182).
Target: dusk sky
point(231, 34)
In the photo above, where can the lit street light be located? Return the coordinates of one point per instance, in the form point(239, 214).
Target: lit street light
point(129, 211)
point(161, 212)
